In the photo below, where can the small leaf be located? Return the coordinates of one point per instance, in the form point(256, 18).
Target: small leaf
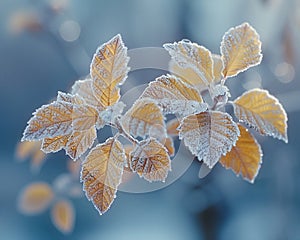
point(102, 172)
point(35, 198)
point(150, 160)
point(174, 96)
point(169, 145)
point(108, 70)
point(141, 117)
point(209, 135)
point(54, 144)
point(172, 126)
point(262, 111)
point(191, 55)
point(80, 141)
point(50, 121)
point(217, 67)
point(63, 216)
point(245, 157)
point(240, 49)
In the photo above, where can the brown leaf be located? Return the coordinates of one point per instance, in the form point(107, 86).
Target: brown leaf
point(63, 216)
point(102, 172)
point(172, 126)
point(54, 144)
point(245, 157)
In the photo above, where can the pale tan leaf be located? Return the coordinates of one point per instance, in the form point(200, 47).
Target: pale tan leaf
point(54, 144)
point(38, 158)
point(260, 110)
point(35, 198)
point(240, 49)
point(108, 70)
point(191, 55)
point(84, 88)
point(84, 117)
point(49, 121)
point(172, 126)
point(142, 116)
point(209, 135)
point(80, 141)
point(27, 148)
point(169, 145)
point(63, 216)
point(217, 67)
point(150, 160)
point(174, 96)
point(245, 157)
point(102, 172)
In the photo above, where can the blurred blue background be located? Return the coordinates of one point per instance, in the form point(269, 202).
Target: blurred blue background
point(46, 45)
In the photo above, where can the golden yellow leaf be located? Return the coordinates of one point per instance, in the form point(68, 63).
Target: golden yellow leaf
point(50, 121)
point(27, 148)
point(262, 111)
point(172, 126)
point(209, 135)
point(80, 141)
point(143, 116)
point(217, 67)
point(150, 160)
point(84, 117)
point(240, 49)
point(102, 173)
point(54, 144)
point(63, 216)
point(108, 70)
point(191, 55)
point(245, 157)
point(35, 198)
point(187, 75)
point(174, 96)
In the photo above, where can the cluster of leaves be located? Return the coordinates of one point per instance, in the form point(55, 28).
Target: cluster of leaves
point(196, 94)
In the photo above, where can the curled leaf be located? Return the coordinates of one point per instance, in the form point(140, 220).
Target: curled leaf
point(209, 135)
point(63, 216)
point(240, 49)
point(102, 172)
point(150, 160)
point(245, 157)
point(262, 111)
point(35, 198)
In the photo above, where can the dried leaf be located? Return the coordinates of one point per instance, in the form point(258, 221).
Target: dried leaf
point(80, 141)
point(54, 144)
point(262, 111)
point(209, 135)
point(141, 117)
point(109, 69)
point(50, 121)
point(245, 157)
point(240, 49)
point(217, 67)
point(63, 216)
point(172, 126)
point(35, 198)
point(102, 172)
point(84, 117)
point(174, 96)
point(150, 160)
point(191, 55)
point(169, 145)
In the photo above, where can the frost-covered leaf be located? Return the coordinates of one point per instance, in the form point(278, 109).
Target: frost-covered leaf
point(63, 216)
point(190, 55)
point(108, 70)
point(142, 116)
point(174, 96)
point(172, 126)
point(112, 112)
point(262, 111)
point(221, 92)
point(84, 88)
point(169, 145)
point(240, 49)
point(102, 172)
point(69, 98)
point(217, 67)
point(80, 141)
point(209, 135)
point(245, 157)
point(150, 160)
point(84, 117)
point(54, 119)
point(35, 198)
point(54, 144)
